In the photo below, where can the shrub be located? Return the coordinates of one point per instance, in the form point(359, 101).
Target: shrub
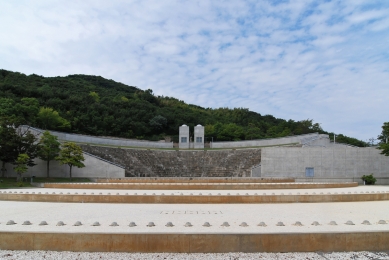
point(369, 179)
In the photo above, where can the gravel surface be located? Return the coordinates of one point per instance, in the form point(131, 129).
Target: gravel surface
point(48, 255)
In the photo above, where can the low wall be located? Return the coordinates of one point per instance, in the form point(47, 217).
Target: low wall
point(102, 140)
point(196, 199)
point(297, 139)
point(199, 186)
point(196, 180)
point(94, 168)
point(196, 243)
point(380, 180)
point(346, 163)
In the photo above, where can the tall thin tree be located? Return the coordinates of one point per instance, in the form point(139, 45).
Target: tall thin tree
point(49, 149)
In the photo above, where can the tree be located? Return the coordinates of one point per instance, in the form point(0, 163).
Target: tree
point(383, 137)
point(48, 118)
point(71, 154)
point(158, 122)
point(21, 165)
point(49, 148)
point(14, 141)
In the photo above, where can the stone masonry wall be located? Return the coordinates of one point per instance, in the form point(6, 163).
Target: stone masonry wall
point(150, 163)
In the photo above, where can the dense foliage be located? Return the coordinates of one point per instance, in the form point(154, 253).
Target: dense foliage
point(369, 179)
point(98, 106)
point(383, 137)
point(71, 154)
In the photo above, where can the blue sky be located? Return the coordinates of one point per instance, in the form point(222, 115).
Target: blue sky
point(323, 60)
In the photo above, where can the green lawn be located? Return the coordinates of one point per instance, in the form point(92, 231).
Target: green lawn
point(8, 183)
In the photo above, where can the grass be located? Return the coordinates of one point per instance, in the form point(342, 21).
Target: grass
point(10, 183)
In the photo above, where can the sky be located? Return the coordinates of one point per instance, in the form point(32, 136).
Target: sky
point(321, 60)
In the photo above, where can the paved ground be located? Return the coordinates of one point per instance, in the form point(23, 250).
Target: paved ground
point(197, 214)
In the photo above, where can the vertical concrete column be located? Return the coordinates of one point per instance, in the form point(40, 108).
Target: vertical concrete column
point(184, 137)
point(199, 136)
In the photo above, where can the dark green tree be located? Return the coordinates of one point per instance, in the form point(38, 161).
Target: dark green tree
point(383, 137)
point(49, 149)
point(158, 122)
point(15, 141)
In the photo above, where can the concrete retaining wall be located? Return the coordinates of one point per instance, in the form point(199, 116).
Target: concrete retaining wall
point(298, 139)
point(328, 163)
point(196, 243)
point(102, 140)
point(94, 168)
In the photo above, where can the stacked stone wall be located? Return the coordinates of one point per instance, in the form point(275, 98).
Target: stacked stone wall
point(157, 163)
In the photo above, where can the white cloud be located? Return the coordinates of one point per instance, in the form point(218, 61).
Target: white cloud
point(324, 60)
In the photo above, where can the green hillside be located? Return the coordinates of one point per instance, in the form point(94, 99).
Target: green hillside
point(97, 106)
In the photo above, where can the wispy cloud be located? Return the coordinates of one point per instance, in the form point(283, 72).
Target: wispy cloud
point(325, 60)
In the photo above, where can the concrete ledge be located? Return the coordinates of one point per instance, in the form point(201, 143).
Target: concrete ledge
point(199, 186)
point(196, 180)
point(195, 199)
point(195, 243)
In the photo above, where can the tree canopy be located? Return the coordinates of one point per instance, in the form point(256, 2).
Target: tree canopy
point(71, 155)
point(15, 141)
point(384, 138)
point(49, 149)
point(97, 106)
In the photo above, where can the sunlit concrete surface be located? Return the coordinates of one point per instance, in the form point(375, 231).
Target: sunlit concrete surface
point(197, 215)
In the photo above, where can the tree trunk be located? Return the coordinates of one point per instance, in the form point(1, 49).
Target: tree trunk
point(18, 177)
point(3, 170)
point(47, 168)
point(70, 172)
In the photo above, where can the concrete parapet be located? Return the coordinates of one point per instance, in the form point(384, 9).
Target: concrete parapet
point(199, 186)
point(196, 243)
point(297, 139)
point(101, 140)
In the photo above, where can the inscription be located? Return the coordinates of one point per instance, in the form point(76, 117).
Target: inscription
point(191, 212)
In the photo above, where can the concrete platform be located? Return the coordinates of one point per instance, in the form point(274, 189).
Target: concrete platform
point(289, 236)
point(197, 215)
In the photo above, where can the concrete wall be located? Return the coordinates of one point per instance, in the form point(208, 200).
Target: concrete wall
point(94, 168)
point(336, 164)
point(256, 171)
point(102, 140)
point(298, 139)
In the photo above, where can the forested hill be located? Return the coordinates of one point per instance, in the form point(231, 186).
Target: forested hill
point(97, 106)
